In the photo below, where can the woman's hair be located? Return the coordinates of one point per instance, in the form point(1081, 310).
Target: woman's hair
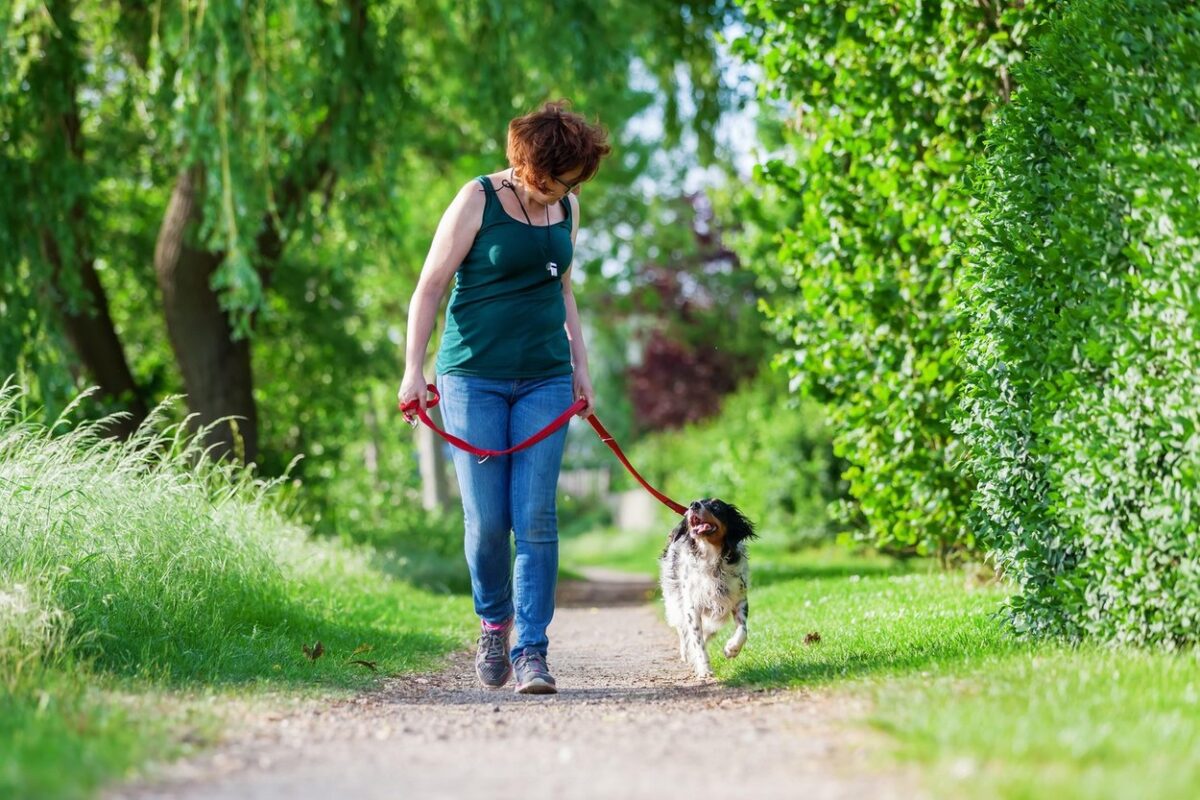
point(552, 141)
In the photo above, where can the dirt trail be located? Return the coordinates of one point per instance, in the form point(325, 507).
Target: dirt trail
point(627, 723)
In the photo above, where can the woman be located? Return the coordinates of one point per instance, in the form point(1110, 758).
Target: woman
point(512, 358)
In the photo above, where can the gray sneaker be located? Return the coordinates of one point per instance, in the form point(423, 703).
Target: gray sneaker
point(533, 676)
point(491, 659)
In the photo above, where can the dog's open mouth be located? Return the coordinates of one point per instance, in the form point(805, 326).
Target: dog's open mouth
point(699, 527)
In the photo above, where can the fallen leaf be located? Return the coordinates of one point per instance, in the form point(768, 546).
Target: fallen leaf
point(812, 638)
point(362, 648)
point(314, 652)
point(368, 664)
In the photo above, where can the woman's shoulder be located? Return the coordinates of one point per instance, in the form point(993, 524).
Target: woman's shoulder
point(477, 190)
point(468, 205)
point(493, 180)
point(473, 193)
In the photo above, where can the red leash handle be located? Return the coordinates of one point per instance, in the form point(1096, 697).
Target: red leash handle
point(413, 411)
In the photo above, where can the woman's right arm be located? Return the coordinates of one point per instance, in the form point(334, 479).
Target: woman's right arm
point(451, 243)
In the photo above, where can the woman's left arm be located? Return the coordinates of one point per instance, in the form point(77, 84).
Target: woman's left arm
point(579, 356)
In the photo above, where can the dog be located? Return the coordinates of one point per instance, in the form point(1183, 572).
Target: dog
point(705, 576)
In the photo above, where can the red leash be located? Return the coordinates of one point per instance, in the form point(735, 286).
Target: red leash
point(414, 407)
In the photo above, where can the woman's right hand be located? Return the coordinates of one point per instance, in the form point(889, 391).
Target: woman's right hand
point(413, 387)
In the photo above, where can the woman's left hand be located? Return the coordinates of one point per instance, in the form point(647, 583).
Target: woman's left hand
point(583, 388)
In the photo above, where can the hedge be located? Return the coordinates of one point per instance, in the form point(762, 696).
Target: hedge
point(889, 101)
point(1083, 362)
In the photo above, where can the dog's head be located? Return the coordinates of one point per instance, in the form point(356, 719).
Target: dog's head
point(715, 522)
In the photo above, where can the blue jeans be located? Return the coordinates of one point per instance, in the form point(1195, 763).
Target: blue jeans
point(512, 494)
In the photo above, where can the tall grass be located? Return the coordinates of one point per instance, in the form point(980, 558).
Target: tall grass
point(142, 555)
point(145, 563)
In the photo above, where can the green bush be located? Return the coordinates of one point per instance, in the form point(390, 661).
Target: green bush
point(1081, 413)
point(888, 100)
point(764, 452)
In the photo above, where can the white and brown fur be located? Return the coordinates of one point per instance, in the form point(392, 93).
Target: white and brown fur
point(705, 576)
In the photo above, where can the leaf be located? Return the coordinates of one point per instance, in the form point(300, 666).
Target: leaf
point(812, 637)
point(362, 648)
point(368, 664)
point(314, 652)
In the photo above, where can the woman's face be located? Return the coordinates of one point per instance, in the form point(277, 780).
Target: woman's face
point(558, 187)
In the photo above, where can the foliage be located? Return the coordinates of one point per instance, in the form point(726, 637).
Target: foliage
point(142, 565)
point(888, 101)
point(35, 71)
point(764, 453)
point(673, 306)
point(1081, 413)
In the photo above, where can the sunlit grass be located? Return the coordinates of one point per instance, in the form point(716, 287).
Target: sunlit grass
point(988, 716)
point(871, 620)
point(143, 567)
point(1053, 722)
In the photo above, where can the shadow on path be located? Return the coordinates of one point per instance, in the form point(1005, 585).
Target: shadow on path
point(605, 588)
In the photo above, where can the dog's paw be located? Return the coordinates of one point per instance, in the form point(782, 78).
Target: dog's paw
point(732, 649)
point(705, 675)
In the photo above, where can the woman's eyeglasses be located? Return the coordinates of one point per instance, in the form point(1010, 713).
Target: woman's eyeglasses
point(570, 187)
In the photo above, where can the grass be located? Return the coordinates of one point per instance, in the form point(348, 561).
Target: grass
point(137, 579)
point(1052, 722)
point(984, 715)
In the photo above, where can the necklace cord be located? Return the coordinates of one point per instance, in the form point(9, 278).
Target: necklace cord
point(550, 265)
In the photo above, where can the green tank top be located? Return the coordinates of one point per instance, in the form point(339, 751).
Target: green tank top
point(506, 313)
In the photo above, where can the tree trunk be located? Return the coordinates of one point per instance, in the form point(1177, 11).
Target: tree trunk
point(92, 335)
point(216, 369)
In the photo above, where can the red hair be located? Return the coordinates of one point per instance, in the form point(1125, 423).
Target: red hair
point(552, 141)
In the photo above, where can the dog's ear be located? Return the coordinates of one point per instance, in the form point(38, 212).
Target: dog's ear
point(738, 528)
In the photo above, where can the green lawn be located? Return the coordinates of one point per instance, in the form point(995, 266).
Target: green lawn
point(984, 714)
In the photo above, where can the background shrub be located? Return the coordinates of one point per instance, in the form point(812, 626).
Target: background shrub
point(887, 101)
point(1081, 413)
point(774, 462)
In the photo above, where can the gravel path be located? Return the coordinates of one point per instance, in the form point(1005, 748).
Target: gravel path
point(627, 723)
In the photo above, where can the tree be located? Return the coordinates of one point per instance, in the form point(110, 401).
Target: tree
point(696, 338)
point(47, 178)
